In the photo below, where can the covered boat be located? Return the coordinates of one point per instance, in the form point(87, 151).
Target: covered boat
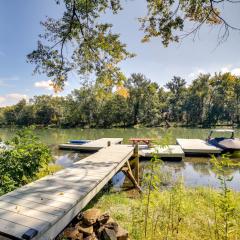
point(227, 144)
point(80, 142)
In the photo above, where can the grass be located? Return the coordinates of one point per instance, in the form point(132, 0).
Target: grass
point(177, 213)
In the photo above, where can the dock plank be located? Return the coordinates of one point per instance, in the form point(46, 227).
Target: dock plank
point(33, 205)
point(29, 222)
point(82, 182)
point(93, 145)
point(170, 151)
point(15, 229)
point(197, 146)
point(28, 212)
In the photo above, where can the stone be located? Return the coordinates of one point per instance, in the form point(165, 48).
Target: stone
point(90, 216)
point(111, 224)
point(91, 237)
point(103, 218)
point(121, 234)
point(108, 234)
point(87, 230)
point(99, 231)
point(73, 234)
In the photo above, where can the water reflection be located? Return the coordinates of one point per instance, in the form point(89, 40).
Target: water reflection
point(196, 172)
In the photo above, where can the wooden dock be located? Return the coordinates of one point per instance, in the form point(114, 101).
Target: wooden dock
point(197, 146)
point(93, 145)
point(167, 152)
point(48, 205)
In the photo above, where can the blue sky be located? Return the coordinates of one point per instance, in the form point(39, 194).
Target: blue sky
point(19, 29)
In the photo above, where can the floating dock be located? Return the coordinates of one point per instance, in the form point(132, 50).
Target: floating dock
point(48, 205)
point(92, 145)
point(167, 152)
point(197, 146)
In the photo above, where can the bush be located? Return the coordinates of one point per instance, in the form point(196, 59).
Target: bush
point(22, 161)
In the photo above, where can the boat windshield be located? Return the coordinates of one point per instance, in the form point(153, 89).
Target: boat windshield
point(222, 131)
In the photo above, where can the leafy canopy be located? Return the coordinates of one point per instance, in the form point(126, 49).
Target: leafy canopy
point(79, 41)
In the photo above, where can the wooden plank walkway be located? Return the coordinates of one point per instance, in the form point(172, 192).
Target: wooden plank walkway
point(197, 146)
point(49, 204)
point(93, 145)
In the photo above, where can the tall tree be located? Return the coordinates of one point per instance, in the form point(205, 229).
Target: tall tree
point(177, 88)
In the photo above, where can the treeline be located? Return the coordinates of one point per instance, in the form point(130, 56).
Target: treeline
point(208, 100)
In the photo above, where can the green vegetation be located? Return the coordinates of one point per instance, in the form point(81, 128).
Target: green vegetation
point(80, 41)
point(178, 212)
point(26, 160)
point(208, 100)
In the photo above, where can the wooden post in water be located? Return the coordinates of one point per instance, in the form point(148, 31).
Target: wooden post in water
point(109, 143)
point(136, 162)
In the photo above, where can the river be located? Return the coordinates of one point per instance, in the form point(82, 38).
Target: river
point(195, 171)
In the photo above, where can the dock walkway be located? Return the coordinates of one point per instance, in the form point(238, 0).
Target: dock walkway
point(49, 204)
point(93, 145)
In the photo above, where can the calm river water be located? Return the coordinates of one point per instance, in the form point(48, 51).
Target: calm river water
point(195, 171)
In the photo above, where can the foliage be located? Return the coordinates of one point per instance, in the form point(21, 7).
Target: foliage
point(21, 163)
point(209, 100)
point(226, 212)
point(177, 212)
point(95, 49)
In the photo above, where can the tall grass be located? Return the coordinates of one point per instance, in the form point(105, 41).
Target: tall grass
point(177, 212)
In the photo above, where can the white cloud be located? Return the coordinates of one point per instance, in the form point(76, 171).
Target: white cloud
point(236, 71)
point(194, 74)
point(225, 69)
point(10, 78)
point(2, 99)
point(11, 98)
point(44, 84)
point(16, 96)
point(47, 85)
point(4, 81)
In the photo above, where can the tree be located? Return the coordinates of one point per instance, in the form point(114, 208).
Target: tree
point(95, 49)
point(177, 88)
point(196, 101)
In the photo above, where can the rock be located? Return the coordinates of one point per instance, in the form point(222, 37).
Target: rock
point(121, 234)
point(73, 234)
point(103, 218)
point(87, 230)
point(90, 216)
point(99, 231)
point(108, 234)
point(111, 224)
point(91, 237)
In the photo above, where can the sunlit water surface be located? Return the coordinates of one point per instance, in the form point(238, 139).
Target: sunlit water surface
point(194, 171)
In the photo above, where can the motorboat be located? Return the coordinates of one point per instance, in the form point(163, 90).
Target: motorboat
point(227, 144)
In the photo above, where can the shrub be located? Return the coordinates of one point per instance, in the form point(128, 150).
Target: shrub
point(21, 162)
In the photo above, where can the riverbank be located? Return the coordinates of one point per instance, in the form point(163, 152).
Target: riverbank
point(176, 213)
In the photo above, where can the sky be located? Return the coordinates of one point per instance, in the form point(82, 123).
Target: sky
point(20, 27)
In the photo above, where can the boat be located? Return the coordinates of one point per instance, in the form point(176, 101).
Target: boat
point(80, 142)
point(227, 144)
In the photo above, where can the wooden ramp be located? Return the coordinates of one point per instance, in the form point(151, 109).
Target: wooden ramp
point(93, 145)
point(49, 204)
point(170, 151)
point(197, 146)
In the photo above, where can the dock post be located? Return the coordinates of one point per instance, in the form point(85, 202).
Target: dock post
point(136, 162)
